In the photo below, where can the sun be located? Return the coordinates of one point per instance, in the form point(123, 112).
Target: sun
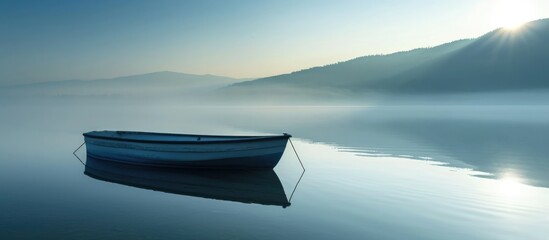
point(511, 14)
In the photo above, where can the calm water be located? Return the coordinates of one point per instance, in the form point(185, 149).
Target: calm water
point(440, 172)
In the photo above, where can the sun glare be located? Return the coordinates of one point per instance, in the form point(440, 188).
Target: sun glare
point(510, 186)
point(511, 14)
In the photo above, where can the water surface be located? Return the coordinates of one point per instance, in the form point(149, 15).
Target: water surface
point(415, 172)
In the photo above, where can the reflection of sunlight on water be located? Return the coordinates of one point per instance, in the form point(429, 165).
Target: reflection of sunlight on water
point(510, 186)
point(374, 174)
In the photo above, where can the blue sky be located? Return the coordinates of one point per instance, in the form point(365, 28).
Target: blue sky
point(59, 40)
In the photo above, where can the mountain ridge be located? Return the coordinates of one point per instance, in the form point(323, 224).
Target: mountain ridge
point(164, 82)
point(498, 60)
point(156, 73)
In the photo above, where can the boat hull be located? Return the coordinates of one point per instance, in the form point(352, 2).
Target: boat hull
point(262, 153)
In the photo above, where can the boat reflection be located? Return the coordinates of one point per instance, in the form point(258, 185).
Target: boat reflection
point(245, 186)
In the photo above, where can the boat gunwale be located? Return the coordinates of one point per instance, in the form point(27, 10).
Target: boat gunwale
point(238, 139)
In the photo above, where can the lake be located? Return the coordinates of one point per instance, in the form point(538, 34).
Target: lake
point(385, 172)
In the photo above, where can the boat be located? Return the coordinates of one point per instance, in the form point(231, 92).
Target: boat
point(186, 150)
point(258, 186)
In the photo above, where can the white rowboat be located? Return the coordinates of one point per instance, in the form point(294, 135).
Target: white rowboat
point(186, 150)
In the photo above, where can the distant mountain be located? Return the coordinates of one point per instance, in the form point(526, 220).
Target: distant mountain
point(157, 83)
point(499, 60)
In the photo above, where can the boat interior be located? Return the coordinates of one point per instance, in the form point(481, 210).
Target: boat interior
point(147, 136)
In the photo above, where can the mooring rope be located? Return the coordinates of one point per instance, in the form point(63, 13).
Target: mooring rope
point(297, 155)
point(74, 153)
point(302, 173)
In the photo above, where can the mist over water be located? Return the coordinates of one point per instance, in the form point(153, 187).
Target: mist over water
point(402, 136)
point(381, 172)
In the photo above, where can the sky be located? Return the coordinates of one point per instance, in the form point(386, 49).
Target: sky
point(64, 40)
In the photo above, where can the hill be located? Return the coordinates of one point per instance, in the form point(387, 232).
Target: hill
point(150, 84)
point(501, 60)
